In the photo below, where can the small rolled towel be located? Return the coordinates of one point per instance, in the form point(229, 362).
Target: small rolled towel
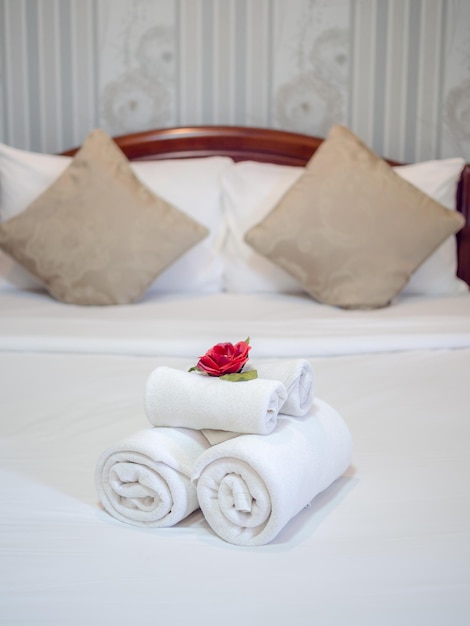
point(144, 479)
point(250, 487)
point(297, 377)
point(177, 398)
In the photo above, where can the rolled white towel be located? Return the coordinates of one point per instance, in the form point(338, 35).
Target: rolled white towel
point(249, 487)
point(177, 398)
point(144, 479)
point(297, 377)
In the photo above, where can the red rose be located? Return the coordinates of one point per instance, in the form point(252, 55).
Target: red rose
point(224, 358)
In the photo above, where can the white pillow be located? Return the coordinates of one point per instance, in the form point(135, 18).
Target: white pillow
point(192, 185)
point(438, 274)
point(250, 191)
point(23, 177)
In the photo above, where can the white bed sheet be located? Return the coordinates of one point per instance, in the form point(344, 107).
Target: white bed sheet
point(388, 543)
point(181, 325)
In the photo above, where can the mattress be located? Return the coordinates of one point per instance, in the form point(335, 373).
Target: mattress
point(387, 543)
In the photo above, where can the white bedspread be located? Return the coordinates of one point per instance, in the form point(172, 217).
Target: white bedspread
point(185, 325)
point(387, 544)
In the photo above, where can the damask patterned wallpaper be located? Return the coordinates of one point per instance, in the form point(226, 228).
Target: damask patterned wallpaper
point(395, 71)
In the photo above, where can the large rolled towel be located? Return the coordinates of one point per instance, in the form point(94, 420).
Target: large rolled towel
point(177, 398)
point(250, 487)
point(297, 377)
point(145, 479)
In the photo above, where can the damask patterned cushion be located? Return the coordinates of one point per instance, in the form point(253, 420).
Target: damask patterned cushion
point(350, 230)
point(24, 175)
point(98, 235)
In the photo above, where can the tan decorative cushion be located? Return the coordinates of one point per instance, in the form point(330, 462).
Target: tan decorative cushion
point(350, 229)
point(97, 235)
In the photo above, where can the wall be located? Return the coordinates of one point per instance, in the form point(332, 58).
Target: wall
point(396, 71)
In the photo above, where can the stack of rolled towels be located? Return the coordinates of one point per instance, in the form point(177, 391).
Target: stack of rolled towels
point(250, 454)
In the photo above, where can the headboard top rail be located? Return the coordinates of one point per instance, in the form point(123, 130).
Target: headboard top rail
point(241, 143)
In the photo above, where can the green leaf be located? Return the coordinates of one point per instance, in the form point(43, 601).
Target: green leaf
point(235, 378)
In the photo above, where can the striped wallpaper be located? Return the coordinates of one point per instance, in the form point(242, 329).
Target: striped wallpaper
point(395, 71)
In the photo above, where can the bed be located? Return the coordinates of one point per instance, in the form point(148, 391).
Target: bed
point(388, 542)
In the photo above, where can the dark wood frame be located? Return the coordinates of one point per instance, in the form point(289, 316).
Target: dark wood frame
point(268, 145)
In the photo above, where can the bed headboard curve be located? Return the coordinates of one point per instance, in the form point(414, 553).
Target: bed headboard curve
point(241, 143)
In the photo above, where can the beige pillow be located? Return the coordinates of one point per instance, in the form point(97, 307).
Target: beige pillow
point(350, 229)
point(97, 235)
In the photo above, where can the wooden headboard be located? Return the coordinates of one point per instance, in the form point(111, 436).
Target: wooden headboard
point(244, 143)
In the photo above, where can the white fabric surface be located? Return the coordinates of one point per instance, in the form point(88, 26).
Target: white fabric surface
point(386, 544)
point(177, 398)
point(144, 479)
point(249, 487)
